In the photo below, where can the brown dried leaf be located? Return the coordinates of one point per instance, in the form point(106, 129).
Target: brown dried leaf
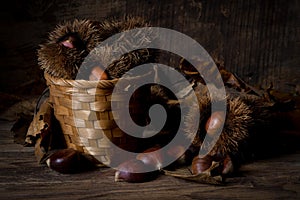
point(40, 132)
point(205, 177)
point(40, 123)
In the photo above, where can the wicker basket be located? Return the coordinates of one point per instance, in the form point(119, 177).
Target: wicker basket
point(83, 109)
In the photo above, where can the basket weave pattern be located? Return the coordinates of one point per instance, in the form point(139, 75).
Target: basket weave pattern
point(83, 109)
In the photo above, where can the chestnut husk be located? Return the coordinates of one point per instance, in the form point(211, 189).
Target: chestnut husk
point(70, 161)
point(128, 171)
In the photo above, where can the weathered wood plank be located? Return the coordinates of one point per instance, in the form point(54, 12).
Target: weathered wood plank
point(258, 40)
point(21, 177)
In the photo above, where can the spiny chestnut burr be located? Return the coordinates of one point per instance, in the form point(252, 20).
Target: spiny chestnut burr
point(135, 171)
point(215, 122)
point(199, 164)
point(68, 161)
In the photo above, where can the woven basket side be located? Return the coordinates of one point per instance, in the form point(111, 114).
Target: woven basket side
point(86, 118)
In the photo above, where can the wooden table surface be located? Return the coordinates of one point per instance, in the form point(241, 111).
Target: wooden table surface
point(21, 177)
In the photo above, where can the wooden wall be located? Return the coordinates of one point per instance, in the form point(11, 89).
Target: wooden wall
point(256, 39)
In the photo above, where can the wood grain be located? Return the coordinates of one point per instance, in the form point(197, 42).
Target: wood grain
point(21, 177)
point(258, 40)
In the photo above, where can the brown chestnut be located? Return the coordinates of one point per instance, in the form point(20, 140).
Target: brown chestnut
point(187, 157)
point(98, 73)
point(68, 161)
point(151, 157)
point(199, 165)
point(228, 166)
point(180, 155)
point(215, 122)
point(135, 171)
point(68, 43)
point(72, 41)
point(176, 151)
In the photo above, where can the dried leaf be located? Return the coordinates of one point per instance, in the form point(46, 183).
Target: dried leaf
point(40, 124)
point(45, 132)
point(205, 177)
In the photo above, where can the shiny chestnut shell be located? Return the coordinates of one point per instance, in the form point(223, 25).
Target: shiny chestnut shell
point(98, 73)
point(68, 161)
point(130, 171)
point(182, 156)
point(199, 165)
point(151, 157)
point(215, 122)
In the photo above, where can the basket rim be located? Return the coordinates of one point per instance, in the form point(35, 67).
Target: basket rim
point(82, 84)
point(86, 84)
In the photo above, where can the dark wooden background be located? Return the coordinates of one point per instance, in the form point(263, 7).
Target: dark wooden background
point(257, 40)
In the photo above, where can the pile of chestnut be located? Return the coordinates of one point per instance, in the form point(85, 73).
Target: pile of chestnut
point(149, 164)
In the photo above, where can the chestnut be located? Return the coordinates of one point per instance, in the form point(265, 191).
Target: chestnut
point(176, 151)
point(228, 166)
point(98, 73)
point(72, 41)
point(135, 171)
point(68, 161)
point(68, 44)
point(184, 157)
point(214, 122)
point(151, 157)
point(199, 165)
